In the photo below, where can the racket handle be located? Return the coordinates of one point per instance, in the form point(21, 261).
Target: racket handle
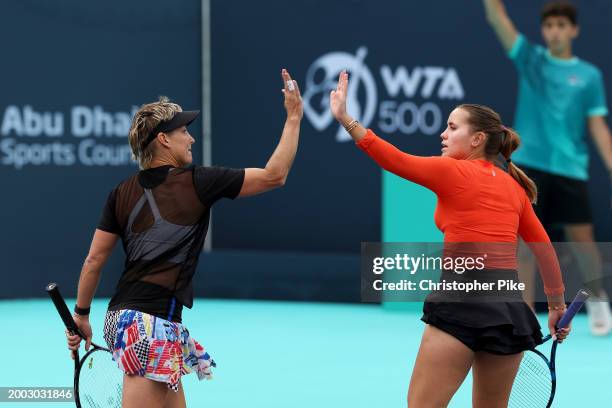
point(53, 291)
point(573, 308)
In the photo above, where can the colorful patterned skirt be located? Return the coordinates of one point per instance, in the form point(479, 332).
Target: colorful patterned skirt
point(154, 348)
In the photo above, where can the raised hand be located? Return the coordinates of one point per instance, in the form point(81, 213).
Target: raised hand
point(337, 98)
point(293, 98)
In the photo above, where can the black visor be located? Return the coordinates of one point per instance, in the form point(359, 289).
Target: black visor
point(179, 119)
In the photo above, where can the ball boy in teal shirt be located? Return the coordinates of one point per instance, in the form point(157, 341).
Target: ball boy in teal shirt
point(559, 97)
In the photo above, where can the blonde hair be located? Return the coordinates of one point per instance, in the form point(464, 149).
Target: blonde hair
point(501, 140)
point(145, 120)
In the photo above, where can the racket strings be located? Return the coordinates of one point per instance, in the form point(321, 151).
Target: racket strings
point(100, 381)
point(533, 384)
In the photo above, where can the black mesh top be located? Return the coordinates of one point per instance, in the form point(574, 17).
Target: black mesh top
point(161, 215)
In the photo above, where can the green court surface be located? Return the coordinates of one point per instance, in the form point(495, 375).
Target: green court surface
point(284, 354)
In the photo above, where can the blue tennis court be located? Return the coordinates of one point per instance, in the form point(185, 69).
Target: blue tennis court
point(290, 354)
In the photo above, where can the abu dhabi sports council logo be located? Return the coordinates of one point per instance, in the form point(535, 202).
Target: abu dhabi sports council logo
point(322, 77)
point(81, 136)
point(424, 88)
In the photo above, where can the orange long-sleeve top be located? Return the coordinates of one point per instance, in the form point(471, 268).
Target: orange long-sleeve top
point(477, 203)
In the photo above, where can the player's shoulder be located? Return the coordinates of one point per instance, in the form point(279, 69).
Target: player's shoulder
point(523, 45)
point(515, 184)
point(126, 183)
point(466, 168)
point(518, 191)
point(589, 68)
point(204, 169)
point(449, 162)
point(206, 172)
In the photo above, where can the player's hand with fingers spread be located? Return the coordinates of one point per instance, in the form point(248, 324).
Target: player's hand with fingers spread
point(337, 98)
point(85, 328)
point(553, 319)
point(293, 98)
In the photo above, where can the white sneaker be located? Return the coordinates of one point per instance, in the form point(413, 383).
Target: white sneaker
point(600, 316)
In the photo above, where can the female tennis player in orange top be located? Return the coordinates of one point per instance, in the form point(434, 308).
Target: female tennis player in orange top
point(478, 202)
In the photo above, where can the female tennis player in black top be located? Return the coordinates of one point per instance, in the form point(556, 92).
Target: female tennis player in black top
point(161, 215)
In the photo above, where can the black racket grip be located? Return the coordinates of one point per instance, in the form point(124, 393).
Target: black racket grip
point(60, 304)
point(573, 308)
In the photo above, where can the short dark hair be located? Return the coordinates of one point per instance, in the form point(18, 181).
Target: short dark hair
point(559, 9)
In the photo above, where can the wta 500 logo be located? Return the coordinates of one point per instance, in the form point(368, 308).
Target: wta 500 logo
point(429, 84)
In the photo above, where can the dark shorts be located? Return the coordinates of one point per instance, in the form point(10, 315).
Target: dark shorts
point(498, 323)
point(561, 200)
point(503, 328)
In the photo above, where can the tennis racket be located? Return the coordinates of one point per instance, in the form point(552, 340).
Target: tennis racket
point(97, 379)
point(536, 380)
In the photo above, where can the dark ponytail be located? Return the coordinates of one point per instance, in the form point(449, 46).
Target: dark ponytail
point(501, 141)
point(510, 143)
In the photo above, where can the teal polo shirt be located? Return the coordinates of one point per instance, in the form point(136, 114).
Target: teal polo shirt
point(555, 99)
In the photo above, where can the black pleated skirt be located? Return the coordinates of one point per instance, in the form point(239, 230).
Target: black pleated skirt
point(491, 325)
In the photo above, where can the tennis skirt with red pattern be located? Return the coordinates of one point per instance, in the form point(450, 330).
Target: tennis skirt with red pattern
point(154, 348)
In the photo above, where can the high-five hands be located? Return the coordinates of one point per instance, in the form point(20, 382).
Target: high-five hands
point(293, 98)
point(337, 99)
point(337, 104)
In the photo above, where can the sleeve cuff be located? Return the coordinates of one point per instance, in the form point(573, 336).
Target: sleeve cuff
point(599, 111)
point(516, 47)
point(367, 140)
point(109, 230)
point(237, 185)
